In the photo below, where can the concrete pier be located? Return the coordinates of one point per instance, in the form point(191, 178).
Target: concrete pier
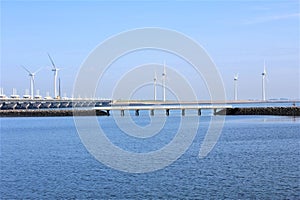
point(152, 112)
point(137, 112)
point(183, 112)
point(199, 112)
point(167, 112)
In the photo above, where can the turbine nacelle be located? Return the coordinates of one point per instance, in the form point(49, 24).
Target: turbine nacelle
point(236, 77)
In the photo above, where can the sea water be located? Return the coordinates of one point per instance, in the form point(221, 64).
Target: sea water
point(256, 157)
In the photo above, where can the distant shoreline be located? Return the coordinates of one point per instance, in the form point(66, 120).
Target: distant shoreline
point(281, 111)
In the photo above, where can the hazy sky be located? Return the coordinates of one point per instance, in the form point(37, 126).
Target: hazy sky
point(238, 36)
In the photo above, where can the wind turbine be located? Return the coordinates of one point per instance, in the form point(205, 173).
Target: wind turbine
point(235, 79)
point(154, 84)
point(32, 83)
point(264, 74)
point(55, 70)
point(164, 74)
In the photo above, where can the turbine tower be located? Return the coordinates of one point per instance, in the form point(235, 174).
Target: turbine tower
point(55, 70)
point(154, 84)
point(264, 74)
point(235, 79)
point(164, 82)
point(59, 89)
point(32, 83)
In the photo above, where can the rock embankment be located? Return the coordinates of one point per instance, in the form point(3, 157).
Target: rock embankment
point(49, 113)
point(283, 111)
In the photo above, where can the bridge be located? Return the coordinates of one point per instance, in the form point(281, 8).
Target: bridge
point(107, 105)
point(167, 108)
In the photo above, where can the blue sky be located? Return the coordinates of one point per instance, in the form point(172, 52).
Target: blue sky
point(238, 36)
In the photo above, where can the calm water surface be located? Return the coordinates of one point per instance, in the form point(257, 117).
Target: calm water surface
point(256, 157)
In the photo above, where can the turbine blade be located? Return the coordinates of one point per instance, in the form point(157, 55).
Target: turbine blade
point(25, 69)
point(51, 60)
point(267, 77)
point(38, 70)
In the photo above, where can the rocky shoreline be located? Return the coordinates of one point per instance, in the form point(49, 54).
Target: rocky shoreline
point(282, 111)
point(50, 113)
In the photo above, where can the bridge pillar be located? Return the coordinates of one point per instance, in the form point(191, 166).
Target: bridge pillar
point(122, 113)
point(183, 112)
point(167, 112)
point(152, 112)
point(199, 112)
point(215, 111)
point(137, 112)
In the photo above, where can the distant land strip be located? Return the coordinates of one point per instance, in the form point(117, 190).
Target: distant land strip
point(283, 111)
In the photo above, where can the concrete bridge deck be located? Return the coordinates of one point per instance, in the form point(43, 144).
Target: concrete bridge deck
point(167, 108)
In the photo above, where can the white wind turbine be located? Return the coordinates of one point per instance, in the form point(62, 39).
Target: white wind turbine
point(154, 84)
point(164, 74)
point(235, 79)
point(55, 70)
point(32, 83)
point(264, 74)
